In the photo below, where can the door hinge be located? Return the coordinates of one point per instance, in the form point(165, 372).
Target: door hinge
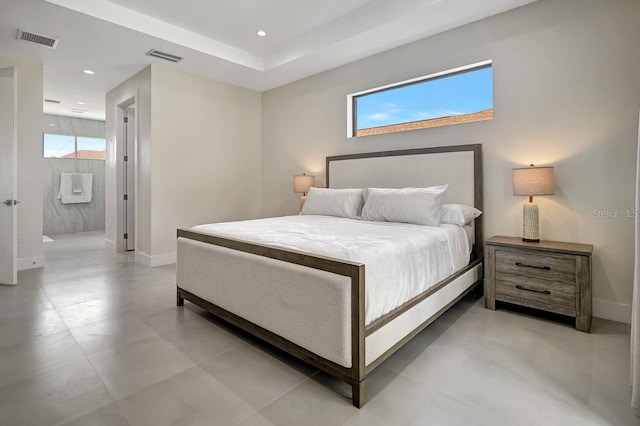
point(126, 236)
point(126, 197)
point(126, 158)
point(126, 119)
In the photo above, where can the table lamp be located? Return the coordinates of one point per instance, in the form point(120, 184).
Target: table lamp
point(301, 185)
point(532, 181)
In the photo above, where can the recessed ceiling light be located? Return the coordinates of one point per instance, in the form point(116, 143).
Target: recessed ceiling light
point(261, 33)
point(52, 125)
point(80, 103)
point(89, 72)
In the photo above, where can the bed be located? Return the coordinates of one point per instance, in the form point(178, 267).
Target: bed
point(316, 307)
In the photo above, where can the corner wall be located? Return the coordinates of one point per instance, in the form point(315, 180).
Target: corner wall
point(30, 118)
point(566, 94)
point(206, 153)
point(198, 153)
point(139, 85)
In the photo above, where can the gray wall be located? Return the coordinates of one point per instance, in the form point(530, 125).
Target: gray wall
point(66, 218)
point(73, 126)
point(566, 94)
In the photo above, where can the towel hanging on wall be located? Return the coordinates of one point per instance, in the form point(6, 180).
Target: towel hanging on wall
point(76, 183)
point(66, 193)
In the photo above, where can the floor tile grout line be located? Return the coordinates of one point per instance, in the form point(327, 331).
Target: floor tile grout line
point(95, 370)
point(93, 367)
point(541, 332)
point(460, 364)
point(531, 328)
point(593, 376)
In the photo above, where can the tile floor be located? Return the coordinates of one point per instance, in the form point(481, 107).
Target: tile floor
point(94, 339)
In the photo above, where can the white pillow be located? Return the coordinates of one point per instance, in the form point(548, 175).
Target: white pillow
point(458, 214)
point(422, 206)
point(334, 202)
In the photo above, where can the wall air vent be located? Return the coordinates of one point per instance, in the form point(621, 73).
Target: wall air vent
point(31, 37)
point(52, 101)
point(162, 55)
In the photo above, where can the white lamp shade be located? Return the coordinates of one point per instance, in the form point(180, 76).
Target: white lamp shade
point(533, 181)
point(302, 183)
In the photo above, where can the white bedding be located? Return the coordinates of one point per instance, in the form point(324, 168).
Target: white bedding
point(401, 260)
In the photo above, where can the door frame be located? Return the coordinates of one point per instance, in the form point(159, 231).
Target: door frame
point(120, 216)
point(12, 276)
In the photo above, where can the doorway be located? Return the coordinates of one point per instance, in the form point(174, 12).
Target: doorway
point(126, 161)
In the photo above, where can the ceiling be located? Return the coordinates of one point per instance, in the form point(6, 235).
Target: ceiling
point(217, 38)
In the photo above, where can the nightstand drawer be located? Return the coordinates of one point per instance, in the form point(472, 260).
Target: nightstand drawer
point(538, 265)
point(536, 290)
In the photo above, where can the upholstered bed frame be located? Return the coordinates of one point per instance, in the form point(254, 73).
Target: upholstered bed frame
point(334, 340)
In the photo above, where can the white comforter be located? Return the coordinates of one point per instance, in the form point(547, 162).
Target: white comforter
point(401, 260)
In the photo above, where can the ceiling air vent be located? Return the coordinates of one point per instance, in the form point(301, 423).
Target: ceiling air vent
point(162, 55)
point(52, 101)
point(36, 38)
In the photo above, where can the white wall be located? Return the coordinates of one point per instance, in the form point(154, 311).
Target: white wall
point(30, 98)
point(206, 153)
point(198, 156)
point(566, 94)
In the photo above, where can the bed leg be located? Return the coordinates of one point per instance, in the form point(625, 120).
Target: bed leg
point(179, 299)
point(478, 292)
point(358, 394)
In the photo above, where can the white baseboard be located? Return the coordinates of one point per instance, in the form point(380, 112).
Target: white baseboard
point(30, 263)
point(157, 260)
point(613, 311)
point(109, 245)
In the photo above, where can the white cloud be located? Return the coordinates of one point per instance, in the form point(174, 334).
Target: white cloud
point(378, 116)
point(426, 115)
point(449, 112)
point(390, 113)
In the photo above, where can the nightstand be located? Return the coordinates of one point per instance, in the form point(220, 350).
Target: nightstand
point(551, 276)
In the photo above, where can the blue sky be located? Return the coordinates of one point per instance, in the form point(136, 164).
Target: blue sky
point(60, 145)
point(454, 95)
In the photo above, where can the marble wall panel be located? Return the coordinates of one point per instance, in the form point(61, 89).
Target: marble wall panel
point(67, 218)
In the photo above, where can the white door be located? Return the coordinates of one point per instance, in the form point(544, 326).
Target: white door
point(8, 180)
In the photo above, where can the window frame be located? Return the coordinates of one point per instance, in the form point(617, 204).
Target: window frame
point(352, 105)
point(75, 146)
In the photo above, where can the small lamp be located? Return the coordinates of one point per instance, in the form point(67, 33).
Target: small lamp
point(301, 185)
point(532, 181)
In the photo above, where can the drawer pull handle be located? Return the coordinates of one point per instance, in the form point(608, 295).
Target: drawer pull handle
point(546, 268)
point(519, 287)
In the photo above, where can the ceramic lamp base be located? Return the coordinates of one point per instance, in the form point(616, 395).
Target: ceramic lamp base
point(302, 200)
point(530, 221)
